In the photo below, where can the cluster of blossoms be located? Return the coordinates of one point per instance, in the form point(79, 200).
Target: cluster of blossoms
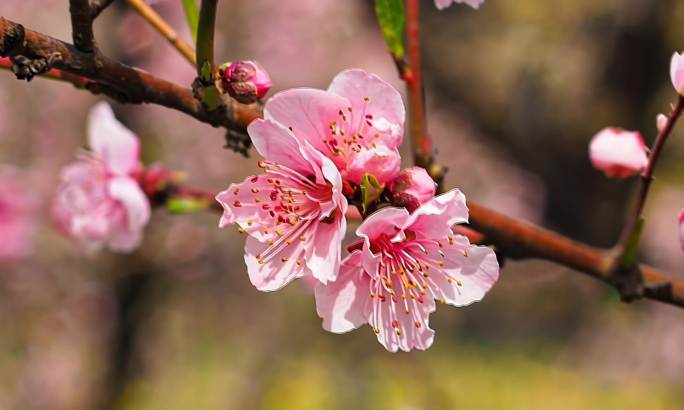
point(320, 147)
point(619, 153)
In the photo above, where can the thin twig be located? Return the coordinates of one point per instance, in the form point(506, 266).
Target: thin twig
point(156, 21)
point(82, 25)
point(98, 6)
point(647, 178)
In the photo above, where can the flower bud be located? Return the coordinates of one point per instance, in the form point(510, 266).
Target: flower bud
point(618, 153)
point(677, 72)
point(412, 187)
point(661, 122)
point(246, 81)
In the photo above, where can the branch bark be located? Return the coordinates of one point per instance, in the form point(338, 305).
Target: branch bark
point(119, 81)
point(82, 25)
point(98, 6)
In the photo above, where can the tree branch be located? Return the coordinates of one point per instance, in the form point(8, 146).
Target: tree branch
point(156, 21)
point(82, 25)
point(118, 81)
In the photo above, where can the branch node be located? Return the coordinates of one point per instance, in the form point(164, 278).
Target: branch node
point(25, 68)
point(238, 142)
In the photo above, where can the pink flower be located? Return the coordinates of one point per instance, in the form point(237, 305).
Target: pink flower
point(293, 212)
point(17, 216)
point(405, 263)
point(442, 4)
point(99, 202)
point(246, 81)
point(681, 229)
point(359, 116)
point(412, 187)
point(618, 153)
point(677, 72)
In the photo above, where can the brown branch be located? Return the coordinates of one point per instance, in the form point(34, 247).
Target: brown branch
point(156, 21)
point(82, 25)
point(98, 6)
point(118, 81)
point(54, 74)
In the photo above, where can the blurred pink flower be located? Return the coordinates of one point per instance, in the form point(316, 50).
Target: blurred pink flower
point(681, 229)
point(359, 116)
point(617, 152)
point(442, 4)
point(677, 72)
point(246, 81)
point(412, 187)
point(99, 201)
point(17, 216)
point(293, 213)
point(404, 262)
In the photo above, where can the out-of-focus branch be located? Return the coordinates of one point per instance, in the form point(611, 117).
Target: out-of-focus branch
point(118, 81)
point(156, 21)
point(98, 6)
point(205, 35)
point(632, 222)
point(82, 25)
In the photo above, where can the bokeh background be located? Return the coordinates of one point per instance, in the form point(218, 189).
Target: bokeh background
point(515, 92)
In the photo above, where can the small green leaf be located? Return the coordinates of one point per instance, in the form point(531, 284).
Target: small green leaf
point(206, 72)
point(630, 254)
point(370, 190)
point(186, 205)
point(192, 14)
point(390, 14)
point(211, 97)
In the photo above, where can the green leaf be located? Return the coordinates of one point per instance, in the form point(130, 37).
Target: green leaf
point(630, 255)
point(186, 205)
point(390, 14)
point(192, 14)
point(370, 190)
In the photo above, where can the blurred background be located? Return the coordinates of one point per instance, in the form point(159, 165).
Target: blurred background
point(515, 92)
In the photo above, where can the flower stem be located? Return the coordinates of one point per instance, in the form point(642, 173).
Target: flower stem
point(156, 21)
point(632, 222)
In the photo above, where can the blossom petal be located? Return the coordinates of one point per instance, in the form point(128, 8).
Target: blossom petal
point(677, 72)
point(396, 329)
point(118, 147)
point(308, 113)
point(128, 193)
point(371, 97)
point(467, 273)
point(617, 152)
point(278, 144)
point(324, 259)
point(382, 162)
point(281, 269)
point(434, 218)
point(341, 304)
point(387, 221)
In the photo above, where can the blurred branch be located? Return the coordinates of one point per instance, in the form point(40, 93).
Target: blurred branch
point(631, 225)
point(206, 69)
point(98, 6)
point(156, 21)
point(118, 81)
point(82, 25)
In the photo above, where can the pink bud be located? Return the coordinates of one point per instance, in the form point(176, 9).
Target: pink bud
point(677, 72)
point(412, 187)
point(246, 81)
point(681, 229)
point(617, 152)
point(661, 122)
